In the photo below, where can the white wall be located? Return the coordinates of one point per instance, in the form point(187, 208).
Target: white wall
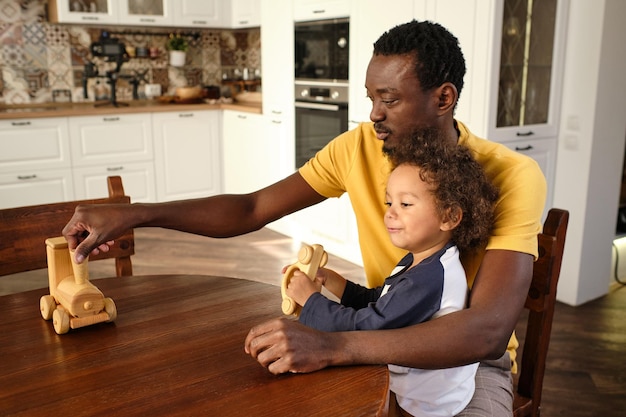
point(591, 144)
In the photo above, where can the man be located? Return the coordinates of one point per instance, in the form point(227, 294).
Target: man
point(413, 79)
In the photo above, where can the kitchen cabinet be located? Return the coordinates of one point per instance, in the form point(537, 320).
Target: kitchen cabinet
point(243, 13)
point(246, 152)
point(322, 9)
point(83, 11)
point(199, 13)
point(113, 145)
point(187, 154)
point(544, 152)
point(35, 162)
point(146, 13)
point(38, 187)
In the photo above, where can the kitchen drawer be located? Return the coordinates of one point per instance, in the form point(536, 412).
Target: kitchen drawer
point(110, 139)
point(28, 188)
point(34, 144)
point(138, 179)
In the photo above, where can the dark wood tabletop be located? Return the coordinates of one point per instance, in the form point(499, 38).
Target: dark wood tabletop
point(175, 349)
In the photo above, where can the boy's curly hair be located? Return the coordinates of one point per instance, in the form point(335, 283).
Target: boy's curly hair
point(457, 180)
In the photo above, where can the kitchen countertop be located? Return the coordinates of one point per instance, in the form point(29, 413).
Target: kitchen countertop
point(39, 110)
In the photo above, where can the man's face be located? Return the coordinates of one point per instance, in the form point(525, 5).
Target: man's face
point(398, 103)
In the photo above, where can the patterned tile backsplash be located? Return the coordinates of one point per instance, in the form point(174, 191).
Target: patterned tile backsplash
point(44, 62)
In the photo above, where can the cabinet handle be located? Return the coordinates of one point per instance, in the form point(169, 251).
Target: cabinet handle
point(319, 11)
point(113, 169)
point(27, 123)
point(110, 119)
point(27, 177)
point(243, 22)
point(529, 133)
point(147, 20)
point(241, 116)
point(185, 115)
point(277, 112)
point(199, 22)
point(277, 122)
point(526, 148)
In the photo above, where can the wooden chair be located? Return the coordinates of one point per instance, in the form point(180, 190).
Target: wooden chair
point(24, 230)
point(540, 303)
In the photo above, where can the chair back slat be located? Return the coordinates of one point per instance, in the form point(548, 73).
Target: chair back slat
point(23, 231)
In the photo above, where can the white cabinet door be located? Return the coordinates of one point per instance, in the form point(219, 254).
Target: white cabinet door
point(199, 13)
point(187, 154)
point(83, 12)
point(277, 50)
point(244, 14)
point(111, 140)
point(321, 9)
point(146, 13)
point(113, 145)
point(246, 151)
point(544, 152)
point(32, 144)
point(137, 177)
point(37, 187)
point(367, 23)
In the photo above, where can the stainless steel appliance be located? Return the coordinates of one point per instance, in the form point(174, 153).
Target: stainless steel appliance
point(321, 114)
point(321, 84)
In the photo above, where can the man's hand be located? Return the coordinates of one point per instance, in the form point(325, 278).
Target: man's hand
point(284, 345)
point(92, 228)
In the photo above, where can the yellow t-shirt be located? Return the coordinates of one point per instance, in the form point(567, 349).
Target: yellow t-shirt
point(354, 163)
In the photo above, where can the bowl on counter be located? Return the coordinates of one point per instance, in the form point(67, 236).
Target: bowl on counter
point(249, 98)
point(188, 93)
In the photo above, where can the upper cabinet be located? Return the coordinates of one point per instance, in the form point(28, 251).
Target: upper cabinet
point(321, 9)
point(529, 58)
point(164, 13)
point(83, 11)
point(199, 13)
point(146, 12)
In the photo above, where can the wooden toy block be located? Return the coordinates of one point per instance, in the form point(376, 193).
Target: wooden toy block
point(310, 259)
point(73, 301)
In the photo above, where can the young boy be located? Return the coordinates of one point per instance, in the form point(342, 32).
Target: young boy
point(439, 202)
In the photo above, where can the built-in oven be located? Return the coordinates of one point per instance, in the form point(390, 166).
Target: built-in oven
point(322, 49)
point(321, 114)
point(321, 84)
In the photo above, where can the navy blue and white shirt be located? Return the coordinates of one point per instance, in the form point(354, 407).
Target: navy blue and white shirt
point(410, 295)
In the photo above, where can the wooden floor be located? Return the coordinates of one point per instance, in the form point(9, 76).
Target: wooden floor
point(586, 370)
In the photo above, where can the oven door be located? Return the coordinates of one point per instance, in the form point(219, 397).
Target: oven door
point(316, 125)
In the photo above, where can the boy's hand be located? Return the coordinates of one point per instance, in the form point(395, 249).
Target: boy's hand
point(300, 287)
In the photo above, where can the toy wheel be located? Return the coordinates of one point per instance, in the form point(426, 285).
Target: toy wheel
point(47, 305)
point(305, 254)
point(324, 260)
point(61, 321)
point(109, 307)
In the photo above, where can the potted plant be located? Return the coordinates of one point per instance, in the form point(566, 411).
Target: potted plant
point(177, 45)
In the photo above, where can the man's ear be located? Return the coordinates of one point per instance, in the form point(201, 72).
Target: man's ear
point(448, 96)
point(451, 219)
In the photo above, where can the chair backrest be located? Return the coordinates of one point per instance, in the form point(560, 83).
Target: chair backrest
point(540, 303)
point(24, 230)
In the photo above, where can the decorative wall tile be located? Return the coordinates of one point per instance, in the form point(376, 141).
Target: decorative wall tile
point(55, 55)
point(10, 11)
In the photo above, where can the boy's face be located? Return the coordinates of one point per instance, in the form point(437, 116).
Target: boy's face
point(411, 218)
point(399, 105)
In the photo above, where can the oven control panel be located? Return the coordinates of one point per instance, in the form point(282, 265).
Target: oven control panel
point(324, 93)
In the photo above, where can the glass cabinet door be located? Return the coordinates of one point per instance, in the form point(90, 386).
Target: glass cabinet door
point(146, 12)
point(82, 11)
point(529, 67)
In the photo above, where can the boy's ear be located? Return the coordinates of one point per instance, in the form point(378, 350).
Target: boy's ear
point(451, 219)
point(448, 96)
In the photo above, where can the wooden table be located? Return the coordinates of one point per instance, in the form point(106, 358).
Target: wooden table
point(176, 349)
